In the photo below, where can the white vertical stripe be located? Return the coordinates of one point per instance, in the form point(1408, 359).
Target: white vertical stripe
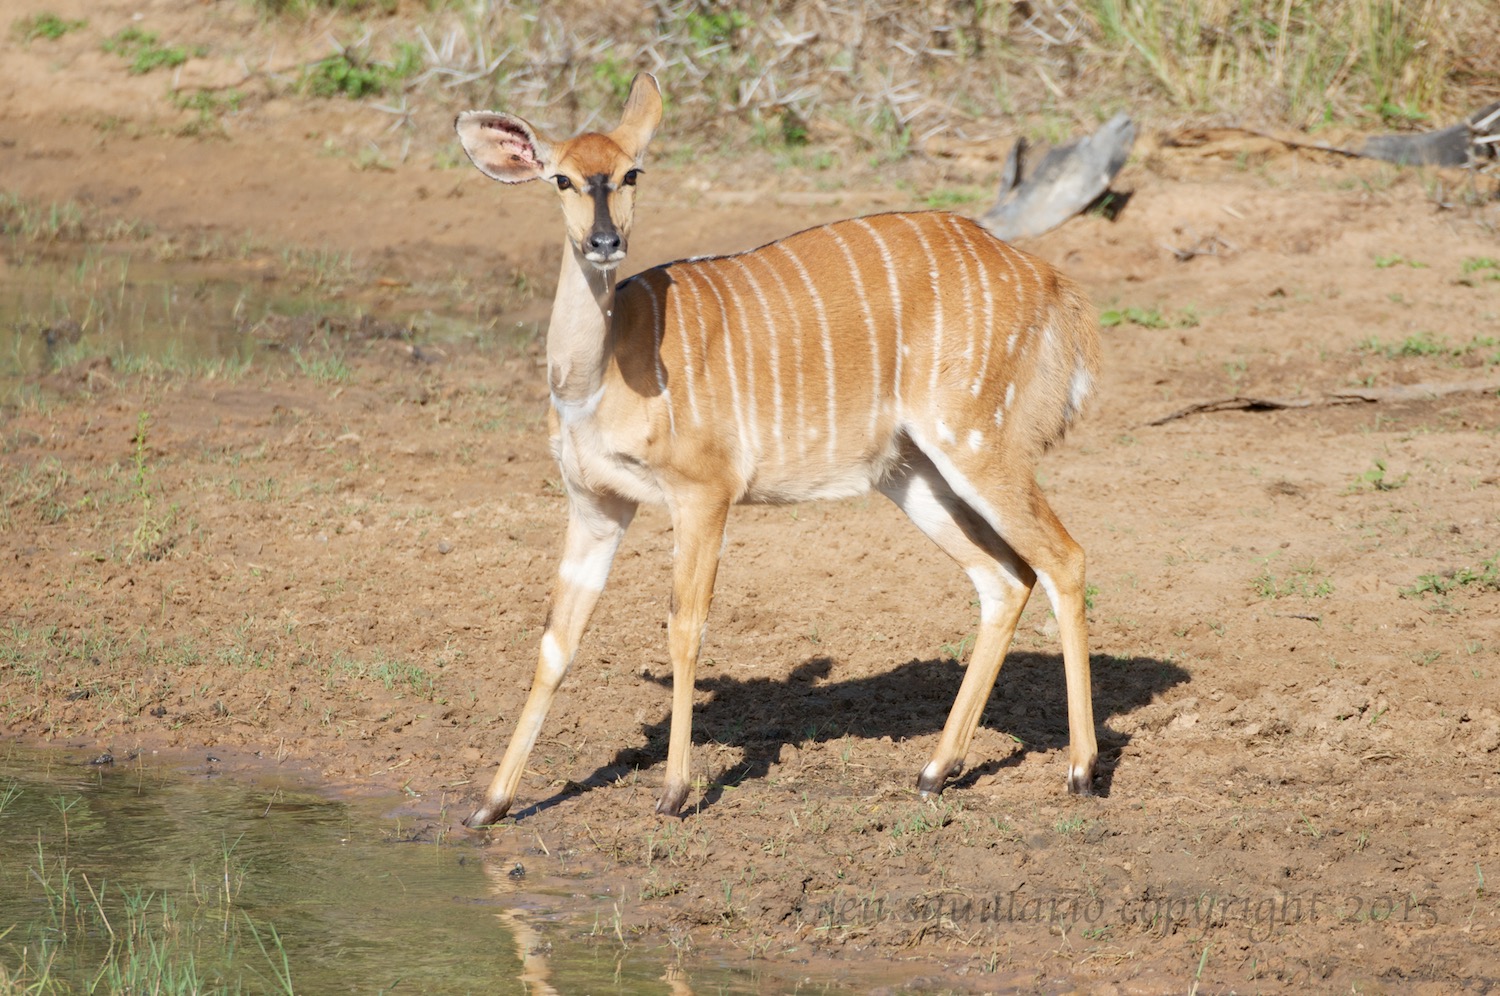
point(658, 329)
point(895, 288)
point(967, 237)
point(749, 338)
point(1032, 311)
point(656, 332)
point(937, 305)
point(687, 349)
point(751, 342)
point(777, 395)
point(712, 281)
point(776, 360)
point(1017, 321)
point(830, 374)
point(689, 359)
point(877, 390)
point(799, 365)
point(957, 251)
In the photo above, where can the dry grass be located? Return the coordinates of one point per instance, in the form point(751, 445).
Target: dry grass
point(883, 77)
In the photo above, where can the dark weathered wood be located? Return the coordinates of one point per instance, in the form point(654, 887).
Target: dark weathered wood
point(1345, 396)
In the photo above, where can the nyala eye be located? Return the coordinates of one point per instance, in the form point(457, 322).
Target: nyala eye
point(630, 177)
point(563, 183)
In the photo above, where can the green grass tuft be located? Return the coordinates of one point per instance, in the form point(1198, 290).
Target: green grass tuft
point(1485, 578)
point(45, 25)
point(145, 52)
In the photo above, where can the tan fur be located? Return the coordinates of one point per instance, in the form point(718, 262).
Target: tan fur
point(913, 353)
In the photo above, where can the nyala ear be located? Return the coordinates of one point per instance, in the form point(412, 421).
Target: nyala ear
point(503, 146)
point(641, 116)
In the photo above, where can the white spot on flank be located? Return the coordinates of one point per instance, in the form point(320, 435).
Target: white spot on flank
point(1010, 393)
point(999, 416)
point(976, 439)
point(945, 434)
point(1010, 343)
point(1078, 389)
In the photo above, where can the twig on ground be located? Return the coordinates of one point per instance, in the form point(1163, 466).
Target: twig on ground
point(1346, 396)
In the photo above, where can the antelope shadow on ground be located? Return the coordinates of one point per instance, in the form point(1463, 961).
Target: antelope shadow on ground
point(811, 706)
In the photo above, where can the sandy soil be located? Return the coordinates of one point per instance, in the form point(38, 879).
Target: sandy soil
point(1300, 761)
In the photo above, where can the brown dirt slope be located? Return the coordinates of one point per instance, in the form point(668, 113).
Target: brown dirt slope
point(1301, 746)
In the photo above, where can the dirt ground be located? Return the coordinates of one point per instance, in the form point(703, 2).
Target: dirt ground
point(1301, 745)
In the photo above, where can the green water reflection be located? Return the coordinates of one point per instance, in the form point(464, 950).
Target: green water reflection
point(136, 878)
point(354, 909)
